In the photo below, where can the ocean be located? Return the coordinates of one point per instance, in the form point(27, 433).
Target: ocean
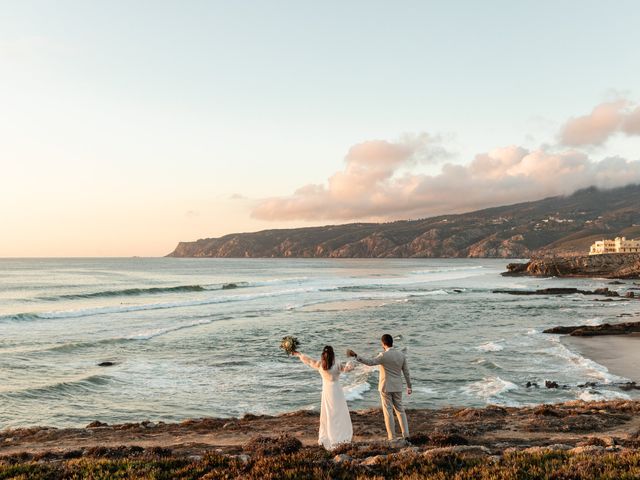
point(183, 346)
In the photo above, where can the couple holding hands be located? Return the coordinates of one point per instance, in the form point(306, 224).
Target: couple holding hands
point(335, 421)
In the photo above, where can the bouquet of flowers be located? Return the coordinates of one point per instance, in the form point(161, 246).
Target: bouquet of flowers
point(289, 344)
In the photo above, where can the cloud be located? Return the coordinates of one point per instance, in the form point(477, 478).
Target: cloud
point(604, 120)
point(379, 180)
point(375, 185)
point(631, 123)
point(363, 184)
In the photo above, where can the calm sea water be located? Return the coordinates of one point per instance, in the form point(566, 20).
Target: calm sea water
point(184, 347)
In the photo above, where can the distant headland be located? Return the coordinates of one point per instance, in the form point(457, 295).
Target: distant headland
point(562, 226)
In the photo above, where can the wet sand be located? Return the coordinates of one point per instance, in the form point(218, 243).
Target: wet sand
point(619, 353)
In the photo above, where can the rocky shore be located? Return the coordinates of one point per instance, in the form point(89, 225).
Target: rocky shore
point(615, 265)
point(624, 328)
point(468, 442)
point(604, 291)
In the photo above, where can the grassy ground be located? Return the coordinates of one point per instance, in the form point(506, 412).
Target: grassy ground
point(315, 463)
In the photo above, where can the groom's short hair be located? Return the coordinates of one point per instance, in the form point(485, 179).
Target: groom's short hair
point(387, 340)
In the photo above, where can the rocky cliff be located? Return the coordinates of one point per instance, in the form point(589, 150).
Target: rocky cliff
point(558, 225)
point(614, 265)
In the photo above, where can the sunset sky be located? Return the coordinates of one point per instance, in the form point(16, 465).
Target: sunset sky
point(128, 126)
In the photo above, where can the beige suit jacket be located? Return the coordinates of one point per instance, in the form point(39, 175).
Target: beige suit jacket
point(393, 364)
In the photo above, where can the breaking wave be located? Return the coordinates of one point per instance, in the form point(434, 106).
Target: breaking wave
point(62, 388)
point(490, 389)
point(127, 292)
point(88, 312)
point(490, 347)
point(356, 392)
point(592, 396)
point(586, 365)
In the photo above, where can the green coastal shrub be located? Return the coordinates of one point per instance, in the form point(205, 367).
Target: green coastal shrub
point(267, 446)
point(315, 463)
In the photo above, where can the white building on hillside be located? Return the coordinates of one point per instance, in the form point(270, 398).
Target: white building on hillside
point(618, 245)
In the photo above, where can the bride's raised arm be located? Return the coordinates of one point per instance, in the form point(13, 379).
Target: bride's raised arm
point(308, 360)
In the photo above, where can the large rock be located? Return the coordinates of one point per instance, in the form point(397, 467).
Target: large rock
point(594, 330)
point(562, 291)
point(588, 449)
point(546, 448)
point(342, 458)
point(613, 265)
point(373, 460)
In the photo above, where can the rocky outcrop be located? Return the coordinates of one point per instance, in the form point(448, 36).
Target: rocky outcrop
point(375, 245)
point(614, 265)
point(500, 248)
point(565, 225)
point(594, 330)
point(561, 291)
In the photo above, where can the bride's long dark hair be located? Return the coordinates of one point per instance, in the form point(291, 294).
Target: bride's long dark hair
point(328, 357)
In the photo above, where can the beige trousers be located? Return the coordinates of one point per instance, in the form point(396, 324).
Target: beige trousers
point(392, 402)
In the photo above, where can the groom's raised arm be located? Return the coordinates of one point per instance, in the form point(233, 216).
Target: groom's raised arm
point(370, 361)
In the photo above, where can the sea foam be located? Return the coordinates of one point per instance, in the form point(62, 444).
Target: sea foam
point(356, 392)
point(585, 365)
point(591, 396)
point(490, 347)
point(490, 389)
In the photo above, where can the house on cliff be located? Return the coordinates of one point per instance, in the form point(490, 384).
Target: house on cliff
point(617, 245)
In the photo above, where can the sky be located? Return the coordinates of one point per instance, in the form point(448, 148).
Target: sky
point(128, 126)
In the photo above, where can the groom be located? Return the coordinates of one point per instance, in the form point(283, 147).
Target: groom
point(392, 364)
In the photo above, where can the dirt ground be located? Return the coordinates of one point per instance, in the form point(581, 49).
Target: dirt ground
point(497, 428)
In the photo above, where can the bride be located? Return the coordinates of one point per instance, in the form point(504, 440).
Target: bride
point(335, 422)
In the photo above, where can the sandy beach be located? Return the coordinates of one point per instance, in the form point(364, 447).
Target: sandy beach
point(619, 353)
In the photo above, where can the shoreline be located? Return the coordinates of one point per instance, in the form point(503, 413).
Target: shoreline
point(620, 354)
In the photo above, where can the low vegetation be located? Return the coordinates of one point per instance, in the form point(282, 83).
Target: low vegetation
point(573, 440)
point(316, 463)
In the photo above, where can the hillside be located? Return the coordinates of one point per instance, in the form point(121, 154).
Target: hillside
point(555, 225)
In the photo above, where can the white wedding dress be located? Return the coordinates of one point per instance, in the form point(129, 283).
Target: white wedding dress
point(335, 421)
